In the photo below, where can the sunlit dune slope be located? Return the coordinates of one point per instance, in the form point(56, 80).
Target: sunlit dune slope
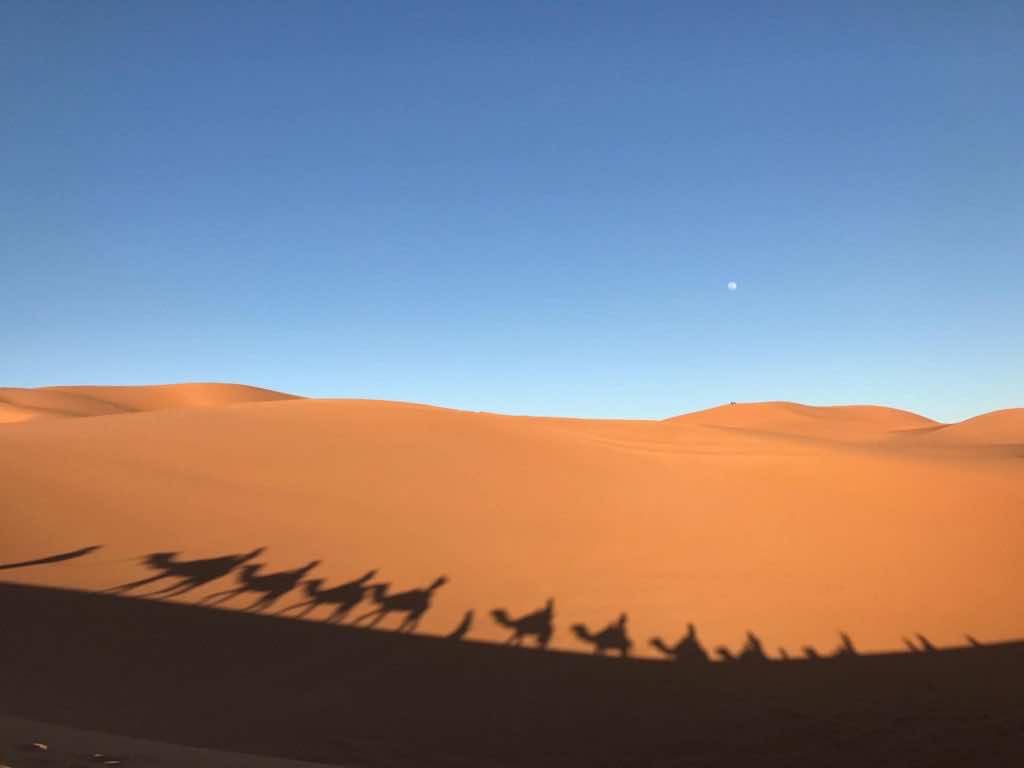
point(793, 534)
point(45, 402)
point(998, 427)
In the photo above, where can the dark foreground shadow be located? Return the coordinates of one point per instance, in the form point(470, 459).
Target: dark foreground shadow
point(264, 684)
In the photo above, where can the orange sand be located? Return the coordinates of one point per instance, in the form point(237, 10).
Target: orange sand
point(790, 520)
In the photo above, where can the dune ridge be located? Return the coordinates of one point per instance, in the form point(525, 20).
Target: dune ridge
point(796, 418)
point(27, 404)
point(1003, 426)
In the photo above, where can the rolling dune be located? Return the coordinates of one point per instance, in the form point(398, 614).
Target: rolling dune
point(18, 404)
point(1004, 427)
point(840, 422)
point(789, 520)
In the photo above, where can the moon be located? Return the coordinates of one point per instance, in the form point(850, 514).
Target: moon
point(731, 285)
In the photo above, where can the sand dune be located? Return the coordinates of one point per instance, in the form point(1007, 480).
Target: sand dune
point(996, 428)
point(836, 422)
point(790, 520)
point(18, 404)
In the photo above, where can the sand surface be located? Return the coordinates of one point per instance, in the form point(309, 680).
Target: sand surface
point(790, 520)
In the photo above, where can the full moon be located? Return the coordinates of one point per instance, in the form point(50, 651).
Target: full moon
point(731, 285)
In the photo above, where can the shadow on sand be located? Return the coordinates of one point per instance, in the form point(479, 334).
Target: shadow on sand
point(262, 684)
point(51, 559)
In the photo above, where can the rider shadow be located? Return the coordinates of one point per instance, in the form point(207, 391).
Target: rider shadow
point(190, 574)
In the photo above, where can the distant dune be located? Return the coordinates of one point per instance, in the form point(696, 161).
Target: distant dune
point(47, 402)
point(836, 422)
point(996, 428)
point(791, 520)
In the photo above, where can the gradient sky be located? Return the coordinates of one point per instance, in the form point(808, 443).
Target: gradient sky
point(522, 207)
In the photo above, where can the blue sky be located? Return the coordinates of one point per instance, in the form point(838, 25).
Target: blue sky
point(518, 207)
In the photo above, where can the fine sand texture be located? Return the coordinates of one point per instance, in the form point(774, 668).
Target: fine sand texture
point(793, 521)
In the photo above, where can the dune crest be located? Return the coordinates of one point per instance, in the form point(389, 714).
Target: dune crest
point(20, 404)
point(997, 427)
point(834, 421)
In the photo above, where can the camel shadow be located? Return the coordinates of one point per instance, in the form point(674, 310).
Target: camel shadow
point(413, 603)
point(539, 624)
point(344, 597)
point(190, 574)
point(687, 651)
point(612, 638)
point(269, 586)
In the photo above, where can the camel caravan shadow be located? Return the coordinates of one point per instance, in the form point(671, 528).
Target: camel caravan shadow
point(270, 586)
point(535, 628)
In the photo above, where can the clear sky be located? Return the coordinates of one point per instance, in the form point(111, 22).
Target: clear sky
point(524, 207)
